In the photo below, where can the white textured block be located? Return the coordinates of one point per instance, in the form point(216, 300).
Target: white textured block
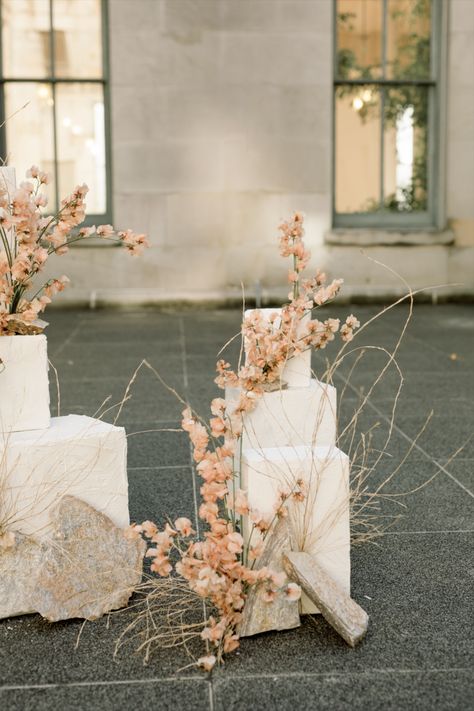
point(8, 179)
point(321, 521)
point(24, 388)
point(297, 371)
point(288, 418)
point(78, 456)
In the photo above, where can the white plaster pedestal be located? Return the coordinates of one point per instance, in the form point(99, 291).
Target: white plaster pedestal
point(77, 456)
point(290, 417)
point(320, 523)
point(291, 435)
point(24, 387)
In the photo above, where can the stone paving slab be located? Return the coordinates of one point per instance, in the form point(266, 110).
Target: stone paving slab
point(167, 695)
point(415, 583)
point(362, 691)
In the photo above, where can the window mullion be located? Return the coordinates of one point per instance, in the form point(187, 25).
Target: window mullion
point(382, 146)
point(382, 103)
point(3, 132)
point(53, 92)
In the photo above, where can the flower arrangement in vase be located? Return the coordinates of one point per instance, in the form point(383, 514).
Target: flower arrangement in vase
point(29, 236)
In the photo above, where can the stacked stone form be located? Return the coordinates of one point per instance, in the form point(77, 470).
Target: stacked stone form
point(77, 456)
point(289, 444)
point(45, 460)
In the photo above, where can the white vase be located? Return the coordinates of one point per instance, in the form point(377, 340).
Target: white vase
point(24, 386)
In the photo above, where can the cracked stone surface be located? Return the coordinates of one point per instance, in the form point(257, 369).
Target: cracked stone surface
point(18, 570)
point(282, 614)
point(87, 568)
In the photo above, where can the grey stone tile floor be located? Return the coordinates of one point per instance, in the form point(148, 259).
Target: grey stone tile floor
point(416, 582)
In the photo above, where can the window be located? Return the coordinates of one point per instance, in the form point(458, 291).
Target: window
point(385, 108)
point(53, 94)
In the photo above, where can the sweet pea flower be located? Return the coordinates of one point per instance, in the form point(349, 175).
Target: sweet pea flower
point(207, 663)
point(293, 592)
point(183, 526)
point(36, 237)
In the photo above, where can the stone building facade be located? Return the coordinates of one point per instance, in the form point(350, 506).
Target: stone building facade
point(222, 123)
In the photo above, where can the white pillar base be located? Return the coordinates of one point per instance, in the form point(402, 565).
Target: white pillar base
point(290, 418)
point(78, 456)
point(321, 522)
point(24, 387)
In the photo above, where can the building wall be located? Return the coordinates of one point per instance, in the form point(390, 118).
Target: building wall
point(222, 125)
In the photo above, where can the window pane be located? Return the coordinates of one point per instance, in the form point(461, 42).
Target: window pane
point(359, 38)
point(26, 38)
point(29, 132)
point(81, 141)
point(77, 38)
point(358, 160)
point(408, 39)
point(406, 148)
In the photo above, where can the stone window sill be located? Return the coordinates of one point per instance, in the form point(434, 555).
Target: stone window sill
point(96, 242)
point(367, 237)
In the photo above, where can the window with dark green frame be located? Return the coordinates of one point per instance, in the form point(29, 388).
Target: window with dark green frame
point(53, 98)
point(385, 108)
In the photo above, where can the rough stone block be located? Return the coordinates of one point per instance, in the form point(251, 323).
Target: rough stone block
point(320, 522)
point(19, 565)
point(24, 388)
point(338, 608)
point(88, 567)
point(281, 614)
point(77, 456)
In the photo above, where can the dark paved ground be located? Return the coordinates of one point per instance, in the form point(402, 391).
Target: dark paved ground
point(416, 583)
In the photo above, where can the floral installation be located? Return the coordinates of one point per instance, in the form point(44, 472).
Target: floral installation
point(220, 567)
point(29, 236)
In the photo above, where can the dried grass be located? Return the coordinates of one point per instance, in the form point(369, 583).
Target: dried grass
point(375, 506)
point(165, 612)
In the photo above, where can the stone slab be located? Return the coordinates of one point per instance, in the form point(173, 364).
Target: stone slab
point(89, 568)
point(338, 608)
point(281, 614)
point(19, 567)
point(86, 568)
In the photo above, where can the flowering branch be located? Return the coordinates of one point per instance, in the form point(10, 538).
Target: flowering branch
point(221, 566)
point(34, 238)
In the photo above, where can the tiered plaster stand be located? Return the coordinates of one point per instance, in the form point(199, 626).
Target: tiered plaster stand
point(291, 436)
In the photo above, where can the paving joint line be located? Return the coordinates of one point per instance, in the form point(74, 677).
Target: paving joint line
point(162, 466)
point(211, 694)
point(261, 675)
point(344, 673)
point(113, 682)
point(193, 472)
point(414, 444)
point(66, 341)
point(424, 533)
point(420, 340)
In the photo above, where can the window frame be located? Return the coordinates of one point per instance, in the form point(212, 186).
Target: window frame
point(433, 217)
point(53, 81)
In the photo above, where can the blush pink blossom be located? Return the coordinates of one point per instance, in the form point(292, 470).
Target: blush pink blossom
point(219, 566)
point(36, 237)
